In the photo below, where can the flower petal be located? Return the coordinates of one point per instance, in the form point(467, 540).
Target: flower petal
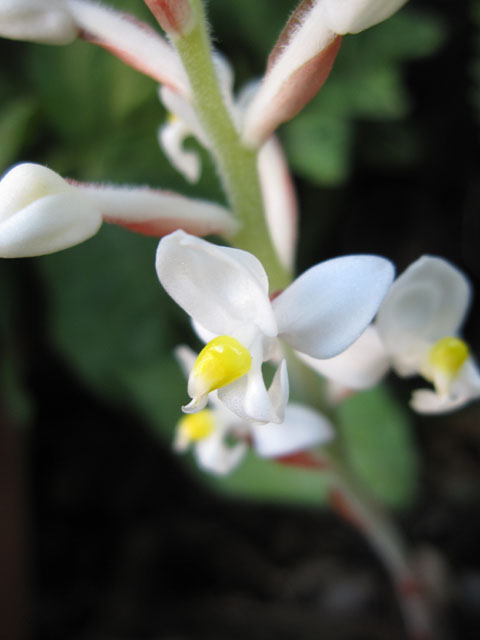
point(215, 456)
point(132, 41)
point(47, 225)
point(223, 289)
point(427, 302)
point(155, 212)
point(187, 161)
point(279, 199)
point(352, 16)
point(361, 366)
point(248, 397)
point(302, 429)
point(330, 305)
point(44, 21)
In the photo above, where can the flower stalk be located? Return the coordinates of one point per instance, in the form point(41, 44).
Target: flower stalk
point(236, 164)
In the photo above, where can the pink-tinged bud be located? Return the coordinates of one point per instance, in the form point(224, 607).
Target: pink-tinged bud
point(176, 17)
point(297, 68)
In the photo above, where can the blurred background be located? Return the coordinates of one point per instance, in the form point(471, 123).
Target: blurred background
point(104, 534)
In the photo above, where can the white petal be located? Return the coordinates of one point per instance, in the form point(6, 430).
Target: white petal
point(248, 397)
point(464, 389)
point(44, 21)
point(156, 212)
point(329, 306)
point(361, 366)
point(428, 401)
point(427, 302)
point(279, 199)
point(215, 456)
point(47, 225)
point(171, 137)
point(26, 183)
point(221, 288)
point(302, 429)
point(131, 40)
point(352, 16)
point(186, 358)
point(182, 108)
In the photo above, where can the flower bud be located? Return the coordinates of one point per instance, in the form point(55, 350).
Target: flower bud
point(41, 213)
point(44, 21)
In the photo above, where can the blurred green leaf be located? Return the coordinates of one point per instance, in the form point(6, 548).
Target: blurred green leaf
point(268, 481)
point(15, 119)
point(377, 435)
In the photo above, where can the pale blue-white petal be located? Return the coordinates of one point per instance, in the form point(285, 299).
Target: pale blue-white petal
point(361, 366)
point(329, 306)
point(303, 428)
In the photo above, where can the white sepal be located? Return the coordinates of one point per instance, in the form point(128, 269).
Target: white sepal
point(329, 306)
point(361, 366)
point(303, 428)
point(223, 289)
point(279, 200)
point(156, 212)
point(44, 21)
point(132, 41)
point(353, 16)
point(41, 213)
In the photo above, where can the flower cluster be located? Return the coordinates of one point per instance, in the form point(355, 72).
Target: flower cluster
point(343, 317)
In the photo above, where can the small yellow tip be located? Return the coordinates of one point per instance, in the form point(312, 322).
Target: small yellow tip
point(194, 427)
point(445, 360)
point(172, 118)
point(222, 361)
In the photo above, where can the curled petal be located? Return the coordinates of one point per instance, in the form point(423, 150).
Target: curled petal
point(297, 68)
point(171, 137)
point(352, 16)
point(248, 397)
point(361, 366)
point(44, 21)
point(132, 41)
point(329, 306)
point(465, 388)
point(426, 302)
point(303, 428)
point(156, 213)
point(223, 289)
point(279, 199)
point(214, 455)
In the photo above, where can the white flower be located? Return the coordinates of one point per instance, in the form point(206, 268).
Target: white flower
point(225, 291)
point(416, 333)
point(209, 430)
point(419, 323)
point(41, 212)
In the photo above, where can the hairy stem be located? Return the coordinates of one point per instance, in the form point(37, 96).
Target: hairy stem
point(236, 164)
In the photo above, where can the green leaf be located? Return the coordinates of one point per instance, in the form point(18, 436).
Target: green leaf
point(378, 442)
point(15, 119)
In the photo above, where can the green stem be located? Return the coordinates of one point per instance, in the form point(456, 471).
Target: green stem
point(236, 164)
